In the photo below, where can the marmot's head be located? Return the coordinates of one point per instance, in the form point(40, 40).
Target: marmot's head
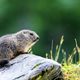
point(26, 39)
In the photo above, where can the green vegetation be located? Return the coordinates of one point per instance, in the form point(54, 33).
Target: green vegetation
point(49, 18)
point(70, 63)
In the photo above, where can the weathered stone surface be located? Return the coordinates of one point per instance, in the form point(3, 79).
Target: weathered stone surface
point(31, 67)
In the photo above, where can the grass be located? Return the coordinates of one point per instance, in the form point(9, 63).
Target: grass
point(71, 70)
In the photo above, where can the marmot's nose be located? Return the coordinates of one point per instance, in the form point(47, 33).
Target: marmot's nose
point(38, 38)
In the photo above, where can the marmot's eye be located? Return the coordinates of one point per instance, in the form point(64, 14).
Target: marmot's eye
point(31, 34)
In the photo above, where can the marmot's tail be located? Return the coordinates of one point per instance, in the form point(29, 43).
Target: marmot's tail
point(3, 62)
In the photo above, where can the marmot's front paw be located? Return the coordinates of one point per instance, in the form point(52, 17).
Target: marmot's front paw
point(3, 63)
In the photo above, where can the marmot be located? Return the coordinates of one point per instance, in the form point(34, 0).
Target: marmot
point(13, 44)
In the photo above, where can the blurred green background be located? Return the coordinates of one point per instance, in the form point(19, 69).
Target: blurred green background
point(49, 18)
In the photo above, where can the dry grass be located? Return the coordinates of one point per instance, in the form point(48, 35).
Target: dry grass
point(70, 71)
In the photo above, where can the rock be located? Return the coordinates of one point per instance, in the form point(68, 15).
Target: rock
point(31, 67)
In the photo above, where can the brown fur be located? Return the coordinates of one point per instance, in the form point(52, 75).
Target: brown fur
point(13, 44)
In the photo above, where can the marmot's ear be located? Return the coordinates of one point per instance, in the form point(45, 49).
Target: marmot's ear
point(20, 37)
